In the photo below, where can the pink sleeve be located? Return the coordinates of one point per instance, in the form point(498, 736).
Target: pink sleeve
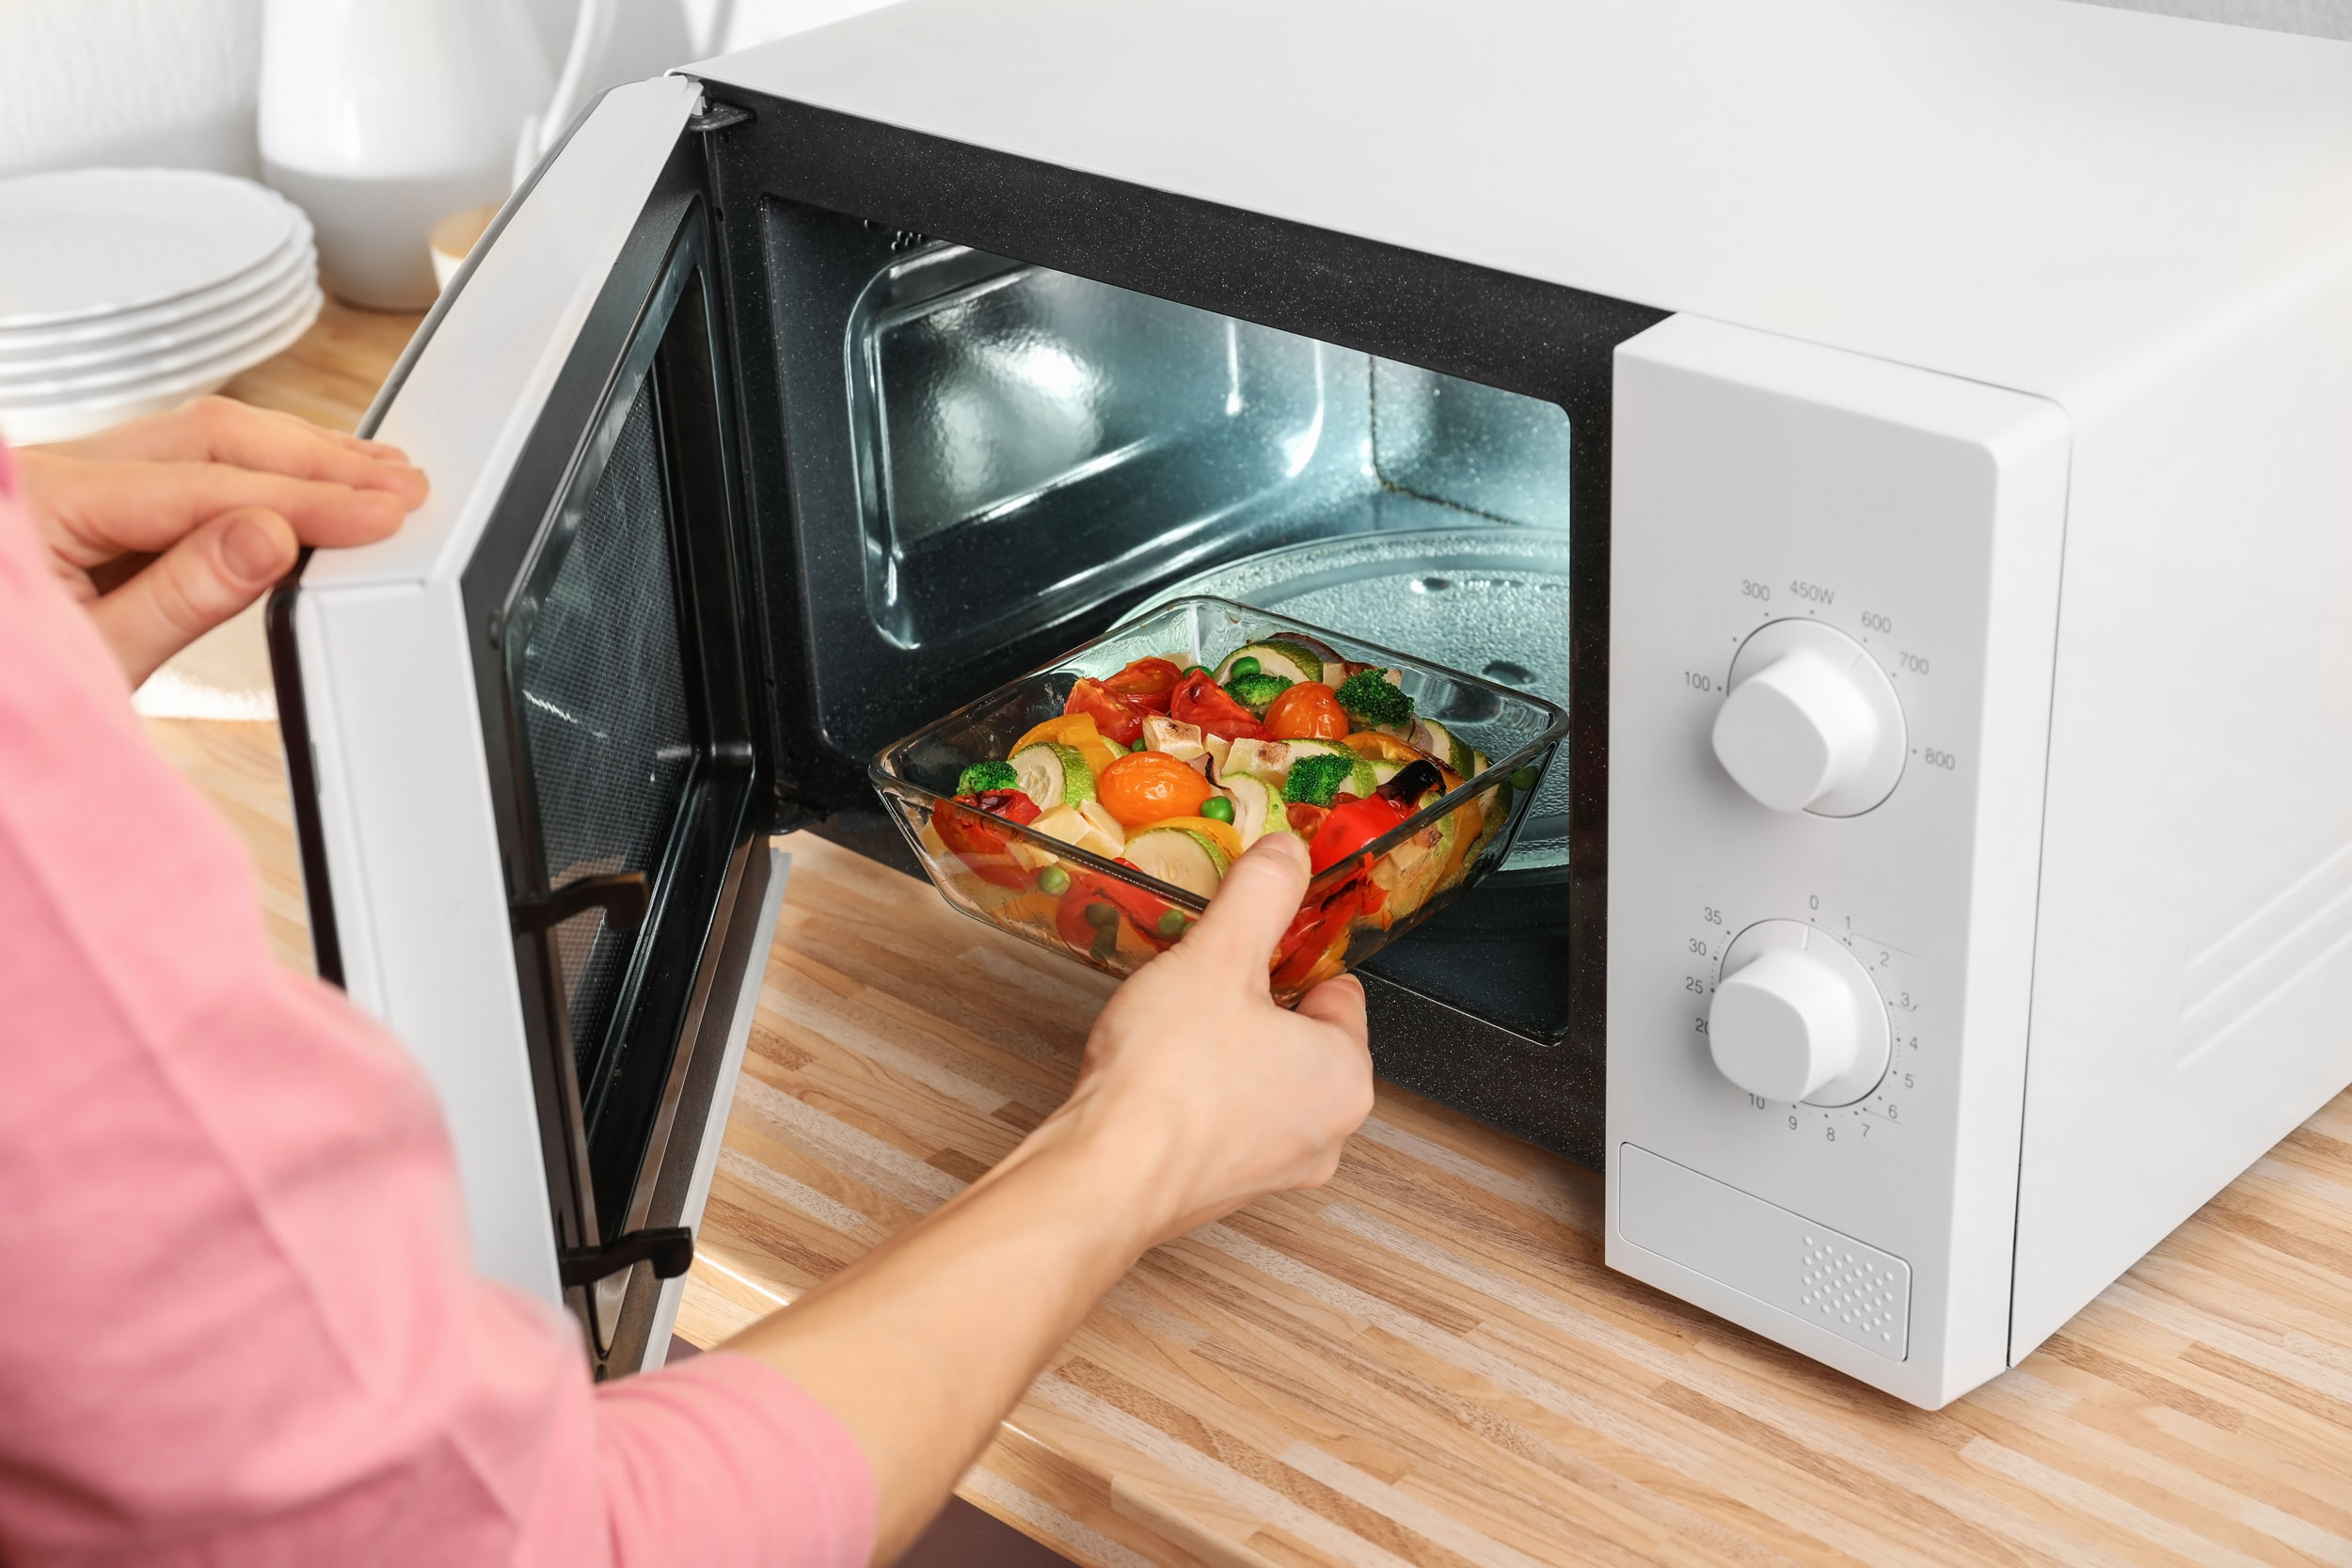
point(243, 1324)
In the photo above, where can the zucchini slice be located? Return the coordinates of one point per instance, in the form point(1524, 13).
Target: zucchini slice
point(1053, 774)
point(1274, 657)
point(1178, 857)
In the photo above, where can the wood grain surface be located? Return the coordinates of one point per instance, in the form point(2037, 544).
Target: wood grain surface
point(1426, 1361)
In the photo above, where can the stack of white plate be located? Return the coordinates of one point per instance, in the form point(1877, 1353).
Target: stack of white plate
point(126, 290)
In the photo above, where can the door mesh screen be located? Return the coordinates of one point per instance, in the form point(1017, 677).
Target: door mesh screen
point(603, 703)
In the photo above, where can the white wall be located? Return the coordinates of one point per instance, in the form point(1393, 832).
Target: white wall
point(172, 81)
point(128, 82)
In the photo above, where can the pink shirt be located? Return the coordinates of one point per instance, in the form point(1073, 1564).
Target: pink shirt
point(241, 1325)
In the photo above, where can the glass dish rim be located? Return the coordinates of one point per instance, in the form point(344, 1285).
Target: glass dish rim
point(1553, 732)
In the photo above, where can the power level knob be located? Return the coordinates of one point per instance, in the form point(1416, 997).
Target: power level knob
point(1811, 723)
point(1795, 1017)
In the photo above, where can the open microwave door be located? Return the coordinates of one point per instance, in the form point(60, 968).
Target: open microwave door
point(522, 733)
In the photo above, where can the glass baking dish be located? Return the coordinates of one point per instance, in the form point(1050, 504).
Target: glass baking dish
point(1109, 914)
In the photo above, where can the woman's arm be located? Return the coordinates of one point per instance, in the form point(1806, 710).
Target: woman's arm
point(1198, 1095)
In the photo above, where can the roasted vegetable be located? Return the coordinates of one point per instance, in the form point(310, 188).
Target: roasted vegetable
point(1078, 730)
point(1053, 774)
point(1369, 699)
point(1308, 711)
point(1148, 682)
point(964, 827)
point(1273, 657)
point(1352, 825)
point(1313, 781)
point(1151, 787)
point(984, 776)
point(1182, 855)
point(1117, 715)
point(1257, 692)
point(1198, 700)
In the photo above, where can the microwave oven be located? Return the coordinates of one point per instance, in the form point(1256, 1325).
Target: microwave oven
point(1948, 407)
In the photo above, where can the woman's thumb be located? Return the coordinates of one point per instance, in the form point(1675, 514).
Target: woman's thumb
point(213, 572)
point(1253, 906)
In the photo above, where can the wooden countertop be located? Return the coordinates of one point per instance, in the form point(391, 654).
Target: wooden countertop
point(1427, 1362)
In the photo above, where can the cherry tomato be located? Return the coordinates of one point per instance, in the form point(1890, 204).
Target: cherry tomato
point(1307, 711)
point(1118, 717)
point(1148, 681)
point(1198, 700)
point(963, 826)
point(1150, 786)
point(1352, 825)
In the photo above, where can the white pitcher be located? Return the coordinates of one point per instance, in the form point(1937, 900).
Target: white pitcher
point(382, 116)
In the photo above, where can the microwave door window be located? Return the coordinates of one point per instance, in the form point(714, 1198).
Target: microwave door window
point(601, 697)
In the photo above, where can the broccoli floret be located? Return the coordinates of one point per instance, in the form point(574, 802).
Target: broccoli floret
point(1371, 701)
point(1256, 691)
point(1315, 780)
point(982, 777)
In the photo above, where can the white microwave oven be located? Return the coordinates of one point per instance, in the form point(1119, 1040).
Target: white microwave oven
point(1944, 409)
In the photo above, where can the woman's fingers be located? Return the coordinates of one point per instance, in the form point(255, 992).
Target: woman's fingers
point(1339, 1003)
point(100, 510)
point(1253, 906)
point(217, 429)
point(211, 574)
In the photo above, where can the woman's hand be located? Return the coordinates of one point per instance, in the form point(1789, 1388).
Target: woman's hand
point(1200, 1083)
point(169, 526)
point(1198, 1095)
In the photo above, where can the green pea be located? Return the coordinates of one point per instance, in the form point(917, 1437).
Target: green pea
point(1246, 665)
point(1105, 942)
point(1195, 670)
point(1102, 917)
point(1141, 745)
point(1217, 808)
point(1052, 882)
point(1524, 780)
point(1172, 924)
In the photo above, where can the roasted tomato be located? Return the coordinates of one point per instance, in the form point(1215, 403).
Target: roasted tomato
point(1198, 700)
point(1119, 717)
point(1307, 711)
point(1352, 825)
point(1305, 818)
point(963, 826)
point(1148, 681)
point(1150, 786)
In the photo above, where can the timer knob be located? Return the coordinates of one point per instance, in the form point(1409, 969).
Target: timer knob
point(1795, 1017)
point(1811, 723)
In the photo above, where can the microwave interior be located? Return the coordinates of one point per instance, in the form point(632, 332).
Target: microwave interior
point(864, 424)
point(992, 459)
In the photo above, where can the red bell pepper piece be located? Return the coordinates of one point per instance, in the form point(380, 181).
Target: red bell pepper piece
point(963, 826)
point(1091, 889)
point(1352, 825)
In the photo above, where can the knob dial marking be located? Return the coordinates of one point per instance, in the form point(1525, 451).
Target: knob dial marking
point(1811, 723)
point(1795, 1017)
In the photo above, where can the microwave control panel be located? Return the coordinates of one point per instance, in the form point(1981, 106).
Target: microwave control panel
point(1833, 615)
